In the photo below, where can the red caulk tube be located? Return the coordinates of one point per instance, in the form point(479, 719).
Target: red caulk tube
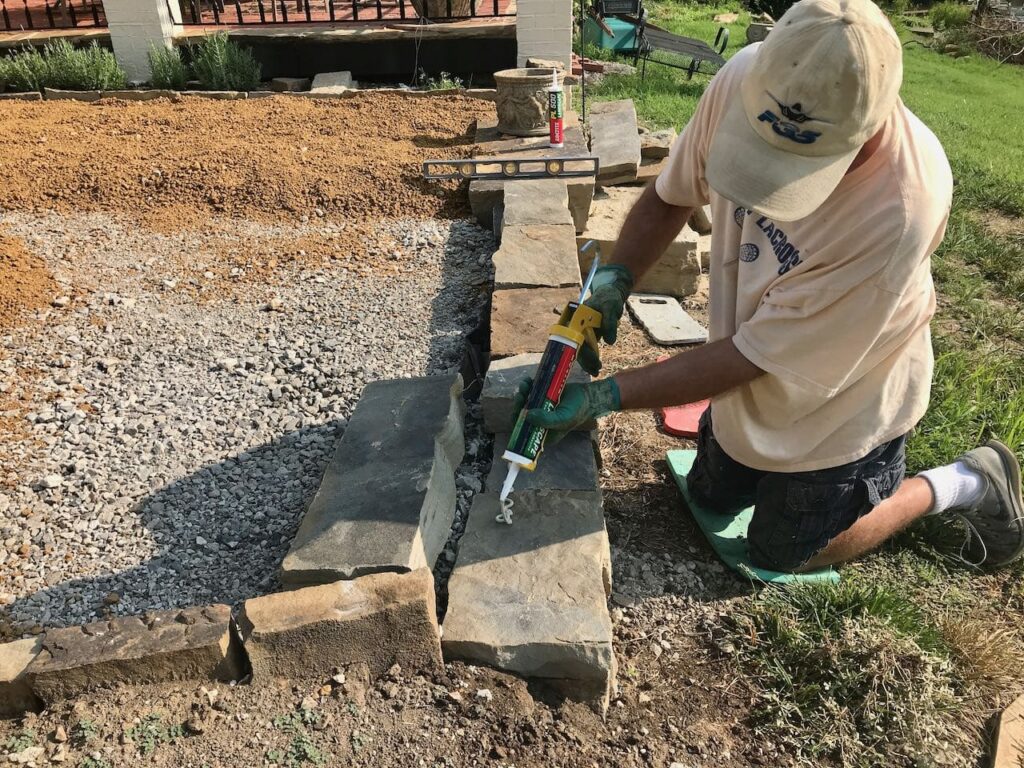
point(556, 111)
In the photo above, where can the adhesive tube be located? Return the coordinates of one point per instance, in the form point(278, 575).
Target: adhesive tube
point(527, 441)
point(556, 112)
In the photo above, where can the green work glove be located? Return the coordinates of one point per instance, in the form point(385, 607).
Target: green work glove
point(580, 405)
point(608, 293)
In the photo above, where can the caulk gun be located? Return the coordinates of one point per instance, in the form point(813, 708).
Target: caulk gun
point(575, 327)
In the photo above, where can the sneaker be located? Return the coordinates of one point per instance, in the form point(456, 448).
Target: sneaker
point(995, 524)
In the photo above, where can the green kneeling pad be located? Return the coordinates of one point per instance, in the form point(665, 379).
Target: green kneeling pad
point(727, 534)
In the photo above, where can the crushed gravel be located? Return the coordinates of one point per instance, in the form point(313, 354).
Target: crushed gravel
point(175, 426)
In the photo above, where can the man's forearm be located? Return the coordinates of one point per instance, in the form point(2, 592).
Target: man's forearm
point(650, 227)
point(686, 378)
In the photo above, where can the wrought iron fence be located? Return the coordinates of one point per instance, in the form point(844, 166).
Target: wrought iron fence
point(193, 12)
point(22, 15)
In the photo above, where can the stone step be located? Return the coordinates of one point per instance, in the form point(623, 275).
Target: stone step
point(531, 598)
point(387, 499)
point(676, 273)
point(189, 644)
point(484, 195)
point(522, 317)
point(537, 256)
point(615, 141)
point(377, 620)
point(502, 382)
point(568, 465)
point(16, 696)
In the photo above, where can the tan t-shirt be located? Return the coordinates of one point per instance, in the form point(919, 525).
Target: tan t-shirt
point(834, 307)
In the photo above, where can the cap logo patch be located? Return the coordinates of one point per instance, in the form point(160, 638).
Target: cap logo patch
point(789, 128)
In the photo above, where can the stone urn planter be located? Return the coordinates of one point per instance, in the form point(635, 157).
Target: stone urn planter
point(522, 100)
point(438, 9)
point(758, 31)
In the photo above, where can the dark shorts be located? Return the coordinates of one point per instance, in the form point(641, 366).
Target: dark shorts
point(795, 514)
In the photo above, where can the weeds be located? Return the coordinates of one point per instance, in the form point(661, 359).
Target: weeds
point(84, 732)
point(301, 748)
point(443, 82)
point(220, 64)
point(93, 761)
point(167, 68)
point(950, 15)
point(849, 672)
point(61, 65)
point(21, 741)
point(152, 732)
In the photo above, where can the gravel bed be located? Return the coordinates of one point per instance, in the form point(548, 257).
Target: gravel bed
point(172, 441)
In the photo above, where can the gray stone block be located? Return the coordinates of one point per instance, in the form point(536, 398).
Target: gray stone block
point(22, 96)
point(537, 256)
point(537, 201)
point(58, 94)
point(387, 499)
point(568, 465)
point(218, 95)
point(656, 145)
point(521, 318)
point(282, 84)
point(530, 598)
point(615, 141)
point(377, 620)
point(190, 644)
point(501, 383)
point(332, 82)
point(16, 696)
point(146, 94)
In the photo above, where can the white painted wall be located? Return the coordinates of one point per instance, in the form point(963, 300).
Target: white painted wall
point(544, 30)
point(135, 26)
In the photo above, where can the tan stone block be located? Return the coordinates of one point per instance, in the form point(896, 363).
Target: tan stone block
point(521, 318)
point(16, 696)
point(378, 620)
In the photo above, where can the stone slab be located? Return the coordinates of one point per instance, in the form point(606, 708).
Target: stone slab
point(145, 94)
point(536, 201)
point(16, 696)
point(332, 82)
point(1009, 743)
point(537, 256)
point(189, 644)
point(649, 170)
point(59, 94)
point(378, 620)
point(22, 96)
point(502, 381)
point(521, 318)
point(676, 273)
point(614, 139)
point(217, 95)
point(664, 320)
point(655, 145)
point(530, 598)
point(290, 84)
point(387, 499)
point(568, 465)
point(485, 194)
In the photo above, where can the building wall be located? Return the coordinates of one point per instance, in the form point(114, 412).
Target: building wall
point(544, 30)
point(136, 26)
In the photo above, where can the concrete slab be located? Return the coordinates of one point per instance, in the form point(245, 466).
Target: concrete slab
point(190, 644)
point(16, 696)
point(678, 271)
point(664, 320)
point(522, 317)
point(655, 145)
point(530, 598)
point(568, 465)
point(378, 620)
point(387, 499)
point(502, 381)
point(615, 141)
point(332, 83)
point(537, 256)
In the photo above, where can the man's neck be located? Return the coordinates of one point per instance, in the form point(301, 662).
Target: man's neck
point(869, 148)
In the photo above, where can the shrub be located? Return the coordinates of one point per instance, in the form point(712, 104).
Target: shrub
point(950, 15)
point(61, 65)
point(774, 8)
point(220, 64)
point(168, 70)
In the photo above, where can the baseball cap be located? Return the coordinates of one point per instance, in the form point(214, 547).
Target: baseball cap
point(823, 83)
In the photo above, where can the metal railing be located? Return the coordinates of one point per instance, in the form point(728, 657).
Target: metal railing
point(249, 12)
point(23, 15)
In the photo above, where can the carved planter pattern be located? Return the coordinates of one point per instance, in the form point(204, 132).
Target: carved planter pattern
point(522, 101)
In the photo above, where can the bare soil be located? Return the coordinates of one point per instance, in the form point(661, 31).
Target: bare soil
point(25, 281)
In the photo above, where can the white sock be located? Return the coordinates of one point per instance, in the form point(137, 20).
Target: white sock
point(954, 485)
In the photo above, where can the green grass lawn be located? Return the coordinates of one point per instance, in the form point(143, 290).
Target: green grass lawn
point(939, 618)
